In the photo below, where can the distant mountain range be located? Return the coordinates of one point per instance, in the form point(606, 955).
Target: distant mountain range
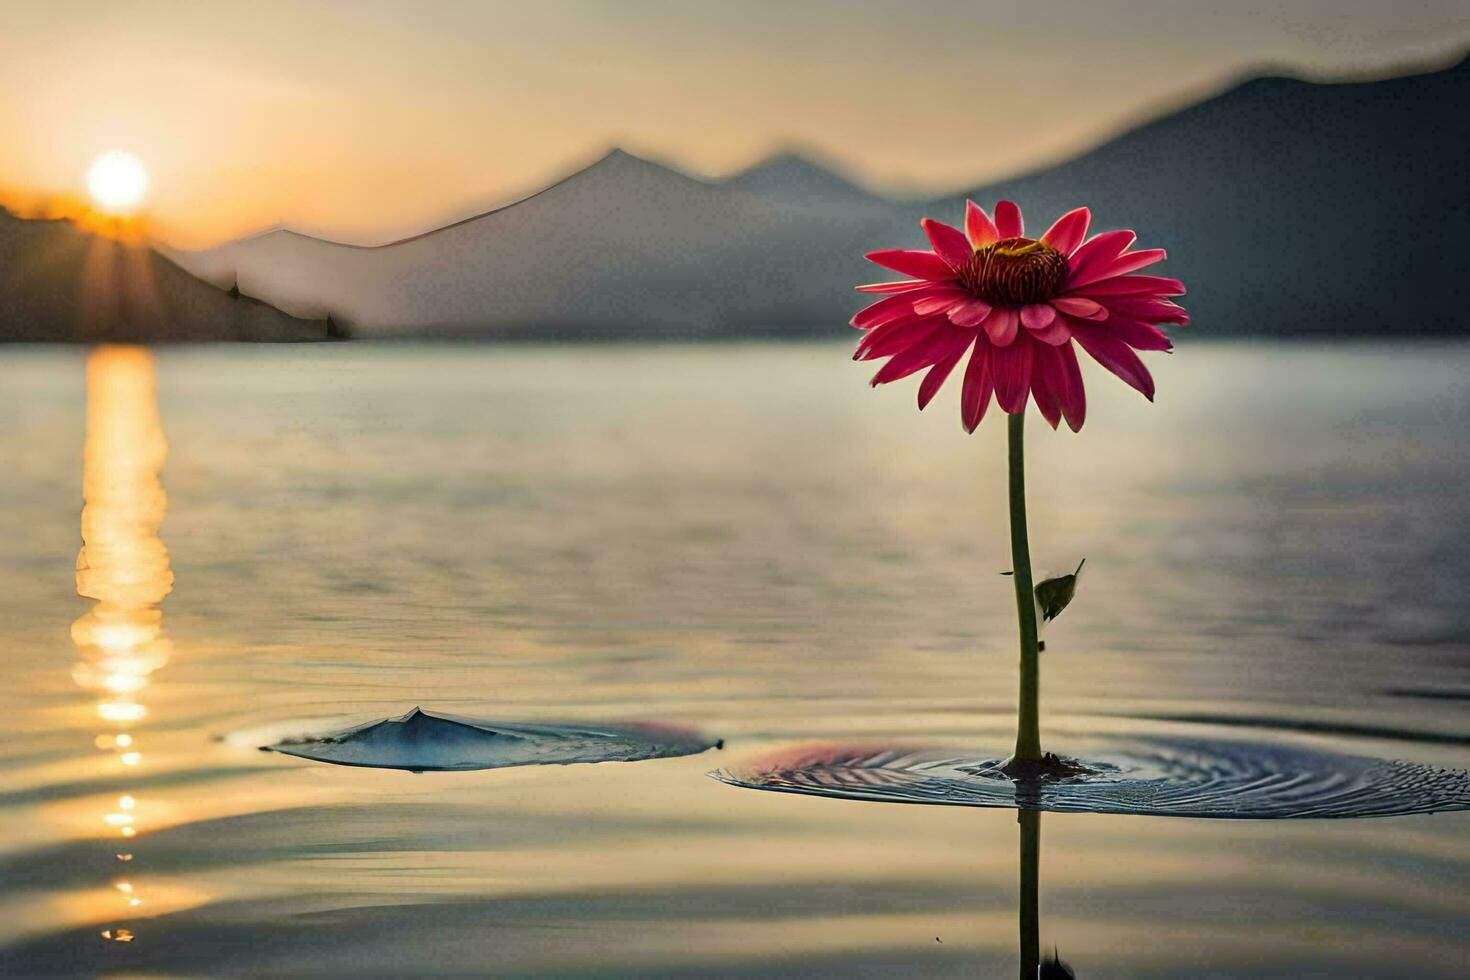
point(1288, 207)
point(626, 247)
point(1292, 208)
point(59, 282)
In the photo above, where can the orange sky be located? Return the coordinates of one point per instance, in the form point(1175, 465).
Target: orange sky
point(368, 120)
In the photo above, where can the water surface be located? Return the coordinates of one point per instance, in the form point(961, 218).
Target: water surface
point(748, 541)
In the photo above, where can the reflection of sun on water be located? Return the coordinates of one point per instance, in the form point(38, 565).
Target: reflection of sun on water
point(123, 565)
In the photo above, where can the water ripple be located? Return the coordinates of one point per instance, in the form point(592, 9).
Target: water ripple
point(1171, 777)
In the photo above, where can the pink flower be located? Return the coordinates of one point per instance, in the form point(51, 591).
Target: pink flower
point(1016, 304)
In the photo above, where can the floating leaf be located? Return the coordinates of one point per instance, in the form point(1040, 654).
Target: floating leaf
point(423, 741)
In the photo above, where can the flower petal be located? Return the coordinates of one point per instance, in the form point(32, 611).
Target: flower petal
point(1044, 387)
point(889, 339)
point(1008, 220)
point(1094, 254)
point(1127, 262)
point(975, 395)
point(1114, 355)
point(1037, 316)
point(937, 299)
point(1074, 396)
point(913, 358)
point(1148, 309)
point(912, 262)
point(1011, 369)
point(970, 313)
point(945, 341)
point(1069, 231)
point(1135, 285)
point(1002, 325)
point(949, 243)
point(886, 310)
point(1088, 309)
point(1137, 334)
point(929, 387)
point(979, 226)
point(902, 286)
point(1055, 333)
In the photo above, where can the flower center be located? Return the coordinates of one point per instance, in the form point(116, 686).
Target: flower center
point(1015, 271)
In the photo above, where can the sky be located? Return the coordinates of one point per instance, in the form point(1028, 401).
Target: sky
point(365, 120)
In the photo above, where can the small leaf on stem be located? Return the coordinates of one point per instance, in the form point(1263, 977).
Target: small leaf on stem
point(1055, 594)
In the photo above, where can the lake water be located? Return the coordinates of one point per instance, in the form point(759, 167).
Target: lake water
point(748, 541)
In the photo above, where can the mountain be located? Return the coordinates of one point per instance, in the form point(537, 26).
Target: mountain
point(794, 178)
point(59, 282)
point(1289, 207)
point(625, 247)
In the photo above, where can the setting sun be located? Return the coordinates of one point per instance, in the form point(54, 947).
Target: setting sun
point(117, 182)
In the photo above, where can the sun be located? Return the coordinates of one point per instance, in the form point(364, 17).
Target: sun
point(117, 182)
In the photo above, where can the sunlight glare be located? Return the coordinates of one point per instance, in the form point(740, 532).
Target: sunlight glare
point(117, 182)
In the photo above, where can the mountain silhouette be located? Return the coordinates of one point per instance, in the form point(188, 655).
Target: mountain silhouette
point(794, 177)
point(1289, 207)
point(59, 282)
point(625, 247)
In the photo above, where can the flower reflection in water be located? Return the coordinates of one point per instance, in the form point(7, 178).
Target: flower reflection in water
point(123, 566)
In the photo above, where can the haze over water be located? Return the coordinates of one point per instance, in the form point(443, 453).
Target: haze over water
point(747, 540)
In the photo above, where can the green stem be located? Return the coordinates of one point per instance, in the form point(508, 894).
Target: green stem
point(1028, 712)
